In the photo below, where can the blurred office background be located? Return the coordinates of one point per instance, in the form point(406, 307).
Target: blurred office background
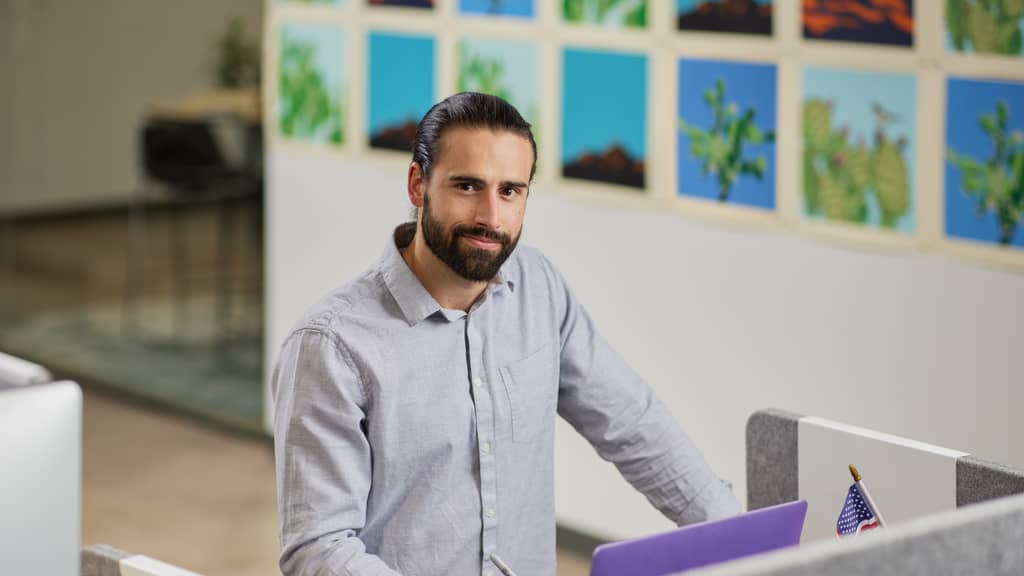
point(131, 260)
point(125, 261)
point(137, 180)
point(137, 270)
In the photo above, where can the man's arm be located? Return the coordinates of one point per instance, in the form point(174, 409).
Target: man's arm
point(616, 410)
point(322, 458)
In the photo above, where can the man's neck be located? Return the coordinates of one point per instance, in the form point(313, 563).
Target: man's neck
point(449, 289)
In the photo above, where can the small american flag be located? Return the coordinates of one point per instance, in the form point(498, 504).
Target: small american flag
point(856, 515)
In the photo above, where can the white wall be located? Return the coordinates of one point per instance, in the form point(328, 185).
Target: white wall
point(7, 63)
point(82, 75)
point(723, 320)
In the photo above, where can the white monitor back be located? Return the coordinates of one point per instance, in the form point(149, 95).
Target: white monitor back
point(907, 479)
point(15, 371)
point(40, 479)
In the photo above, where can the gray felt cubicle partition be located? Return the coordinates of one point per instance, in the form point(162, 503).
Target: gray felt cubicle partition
point(773, 467)
point(981, 539)
point(102, 560)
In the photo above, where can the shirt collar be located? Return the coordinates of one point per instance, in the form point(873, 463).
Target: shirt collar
point(413, 299)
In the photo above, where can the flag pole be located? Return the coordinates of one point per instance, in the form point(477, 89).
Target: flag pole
point(867, 496)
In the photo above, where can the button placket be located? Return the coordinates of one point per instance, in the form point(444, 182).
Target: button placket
point(484, 416)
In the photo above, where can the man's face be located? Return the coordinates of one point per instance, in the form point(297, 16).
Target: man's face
point(474, 203)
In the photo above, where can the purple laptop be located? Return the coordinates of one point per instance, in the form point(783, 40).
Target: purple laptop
point(702, 544)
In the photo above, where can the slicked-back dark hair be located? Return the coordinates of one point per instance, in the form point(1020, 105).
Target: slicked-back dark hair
point(468, 110)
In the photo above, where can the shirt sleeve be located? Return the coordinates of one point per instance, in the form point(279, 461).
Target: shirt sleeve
point(322, 457)
point(618, 413)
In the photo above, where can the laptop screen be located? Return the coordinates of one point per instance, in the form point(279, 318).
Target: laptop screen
point(703, 544)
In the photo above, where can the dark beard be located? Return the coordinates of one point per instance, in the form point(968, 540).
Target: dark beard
point(474, 264)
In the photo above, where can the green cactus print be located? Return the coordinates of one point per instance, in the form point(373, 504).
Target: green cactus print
point(479, 74)
point(721, 146)
point(613, 13)
point(889, 173)
point(997, 183)
point(309, 109)
point(817, 124)
point(985, 26)
point(859, 164)
point(480, 71)
point(837, 203)
point(840, 178)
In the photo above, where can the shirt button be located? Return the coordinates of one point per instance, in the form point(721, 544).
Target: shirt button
point(487, 573)
point(486, 448)
point(490, 512)
point(478, 382)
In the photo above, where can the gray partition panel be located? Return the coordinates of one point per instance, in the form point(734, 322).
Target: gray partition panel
point(978, 480)
point(771, 458)
point(102, 560)
point(981, 539)
point(773, 467)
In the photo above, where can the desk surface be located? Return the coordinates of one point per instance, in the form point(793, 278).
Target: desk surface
point(243, 104)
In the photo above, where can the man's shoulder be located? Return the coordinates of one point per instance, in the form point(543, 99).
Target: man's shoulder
point(528, 266)
point(362, 297)
point(528, 259)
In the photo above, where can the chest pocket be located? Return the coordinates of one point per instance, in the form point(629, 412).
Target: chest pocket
point(531, 385)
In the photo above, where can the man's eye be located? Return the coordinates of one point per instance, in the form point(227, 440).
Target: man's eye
point(466, 187)
point(510, 191)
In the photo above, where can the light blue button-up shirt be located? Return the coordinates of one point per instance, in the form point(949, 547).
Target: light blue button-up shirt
point(417, 440)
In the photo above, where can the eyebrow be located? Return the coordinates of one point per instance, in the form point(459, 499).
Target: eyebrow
point(460, 178)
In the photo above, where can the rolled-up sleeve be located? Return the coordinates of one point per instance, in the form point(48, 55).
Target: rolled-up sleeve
point(618, 413)
point(322, 459)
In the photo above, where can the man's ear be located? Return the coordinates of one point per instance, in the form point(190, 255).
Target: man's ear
point(417, 185)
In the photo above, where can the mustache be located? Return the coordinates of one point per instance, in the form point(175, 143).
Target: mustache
point(481, 232)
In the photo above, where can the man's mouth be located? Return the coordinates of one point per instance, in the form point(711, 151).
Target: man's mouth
point(482, 241)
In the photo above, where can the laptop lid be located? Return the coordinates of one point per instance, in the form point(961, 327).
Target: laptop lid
point(702, 544)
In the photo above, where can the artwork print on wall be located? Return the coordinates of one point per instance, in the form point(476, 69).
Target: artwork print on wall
point(311, 83)
point(858, 147)
point(985, 27)
point(726, 134)
point(604, 126)
point(308, 2)
point(504, 68)
point(607, 13)
point(984, 165)
point(510, 8)
point(403, 3)
point(888, 22)
point(401, 87)
point(740, 16)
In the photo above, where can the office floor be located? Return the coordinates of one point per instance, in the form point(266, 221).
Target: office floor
point(155, 482)
point(176, 490)
point(190, 339)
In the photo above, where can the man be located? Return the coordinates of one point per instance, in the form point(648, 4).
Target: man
point(415, 406)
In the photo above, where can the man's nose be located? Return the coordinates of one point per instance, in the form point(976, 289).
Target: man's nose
point(487, 209)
